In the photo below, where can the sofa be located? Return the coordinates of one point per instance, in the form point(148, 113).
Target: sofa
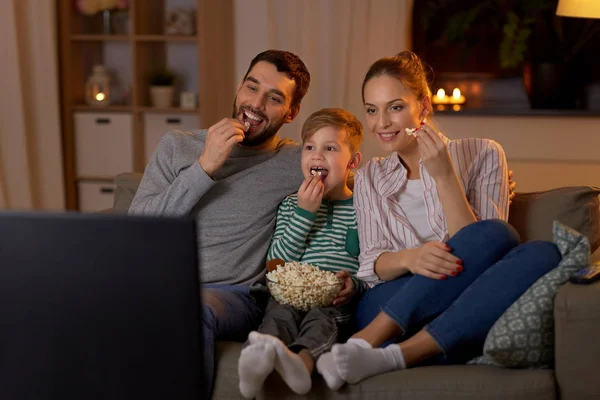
point(576, 312)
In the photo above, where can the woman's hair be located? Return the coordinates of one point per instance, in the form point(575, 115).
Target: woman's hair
point(405, 66)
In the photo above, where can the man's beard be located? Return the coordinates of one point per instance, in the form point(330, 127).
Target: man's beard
point(257, 138)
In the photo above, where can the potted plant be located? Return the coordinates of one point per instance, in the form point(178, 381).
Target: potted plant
point(162, 87)
point(529, 36)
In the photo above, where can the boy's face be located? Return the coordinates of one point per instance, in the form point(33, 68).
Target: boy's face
point(328, 152)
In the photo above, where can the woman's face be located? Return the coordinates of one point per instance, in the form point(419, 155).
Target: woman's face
point(390, 108)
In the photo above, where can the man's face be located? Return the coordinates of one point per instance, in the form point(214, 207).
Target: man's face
point(264, 100)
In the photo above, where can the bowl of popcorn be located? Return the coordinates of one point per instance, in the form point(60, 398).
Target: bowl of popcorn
point(303, 286)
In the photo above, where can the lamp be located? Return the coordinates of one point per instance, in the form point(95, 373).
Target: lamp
point(581, 9)
point(578, 8)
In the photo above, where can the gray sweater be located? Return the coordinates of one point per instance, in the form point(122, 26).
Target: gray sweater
point(235, 212)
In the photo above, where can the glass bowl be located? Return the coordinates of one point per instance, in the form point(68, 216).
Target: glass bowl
point(304, 297)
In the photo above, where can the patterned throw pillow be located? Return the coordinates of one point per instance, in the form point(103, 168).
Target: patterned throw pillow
point(523, 337)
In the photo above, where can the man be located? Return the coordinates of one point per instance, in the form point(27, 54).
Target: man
point(231, 178)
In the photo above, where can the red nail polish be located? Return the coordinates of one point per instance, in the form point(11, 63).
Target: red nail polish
point(459, 262)
point(460, 269)
point(454, 273)
point(443, 277)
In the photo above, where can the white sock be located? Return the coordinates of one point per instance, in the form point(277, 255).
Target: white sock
point(289, 365)
point(357, 360)
point(256, 362)
point(327, 368)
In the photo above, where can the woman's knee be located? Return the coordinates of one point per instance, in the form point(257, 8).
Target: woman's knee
point(494, 231)
point(540, 254)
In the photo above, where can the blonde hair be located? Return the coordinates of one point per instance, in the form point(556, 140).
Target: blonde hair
point(337, 118)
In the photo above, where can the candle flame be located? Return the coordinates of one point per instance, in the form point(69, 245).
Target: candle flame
point(100, 96)
point(456, 93)
point(441, 93)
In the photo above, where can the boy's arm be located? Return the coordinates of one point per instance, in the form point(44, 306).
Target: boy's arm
point(165, 190)
point(291, 230)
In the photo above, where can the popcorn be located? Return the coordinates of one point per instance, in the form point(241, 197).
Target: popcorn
point(315, 173)
point(247, 124)
point(411, 131)
point(303, 286)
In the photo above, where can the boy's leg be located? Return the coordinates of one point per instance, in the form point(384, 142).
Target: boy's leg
point(229, 313)
point(281, 321)
point(258, 357)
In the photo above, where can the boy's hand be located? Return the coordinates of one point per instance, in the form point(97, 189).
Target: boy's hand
point(347, 292)
point(310, 194)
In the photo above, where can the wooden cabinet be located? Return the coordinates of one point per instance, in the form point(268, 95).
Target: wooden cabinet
point(100, 142)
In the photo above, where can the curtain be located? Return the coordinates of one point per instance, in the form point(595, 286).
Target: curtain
point(31, 171)
point(337, 39)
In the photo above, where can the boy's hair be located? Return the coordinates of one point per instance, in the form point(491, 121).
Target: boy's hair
point(337, 118)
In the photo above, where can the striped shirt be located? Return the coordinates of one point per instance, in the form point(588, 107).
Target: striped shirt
point(327, 238)
point(480, 165)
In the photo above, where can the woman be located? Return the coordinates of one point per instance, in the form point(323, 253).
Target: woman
point(442, 263)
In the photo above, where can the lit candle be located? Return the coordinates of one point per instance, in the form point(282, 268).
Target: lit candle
point(457, 97)
point(100, 96)
point(440, 97)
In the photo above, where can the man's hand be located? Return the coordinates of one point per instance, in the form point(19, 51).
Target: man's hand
point(310, 194)
point(220, 140)
point(512, 185)
point(347, 292)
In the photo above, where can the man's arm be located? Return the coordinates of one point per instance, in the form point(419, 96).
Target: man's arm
point(166, 191)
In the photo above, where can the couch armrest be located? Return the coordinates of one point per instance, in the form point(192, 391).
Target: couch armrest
point(577, 316)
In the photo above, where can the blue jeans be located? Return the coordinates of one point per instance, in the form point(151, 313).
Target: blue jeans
point(229, 313)
point(458, 312)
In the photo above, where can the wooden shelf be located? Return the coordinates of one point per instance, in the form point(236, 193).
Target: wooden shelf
point(111, 108)
point(100, 38)
point(104, 179)
point(170, 110)
point(165, 38)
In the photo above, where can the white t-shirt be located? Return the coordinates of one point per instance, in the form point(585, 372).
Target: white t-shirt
point(412, 202)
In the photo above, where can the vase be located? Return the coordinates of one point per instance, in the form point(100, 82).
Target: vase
point(556, 86)
point(162, 96)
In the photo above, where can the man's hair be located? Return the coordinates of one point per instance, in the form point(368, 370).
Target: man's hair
point(336, 118)
point(291, 65)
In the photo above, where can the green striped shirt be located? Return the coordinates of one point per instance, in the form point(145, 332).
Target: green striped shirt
point(327, 238)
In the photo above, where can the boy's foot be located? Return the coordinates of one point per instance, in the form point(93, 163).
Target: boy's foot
point(357, 360)
point(256, 363)
point(327, 368)
point(289, 365)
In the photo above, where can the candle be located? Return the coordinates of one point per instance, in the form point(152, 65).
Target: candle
point(440, 99)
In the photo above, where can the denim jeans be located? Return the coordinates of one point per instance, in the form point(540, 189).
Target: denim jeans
point(229, 313)
point(458, 312)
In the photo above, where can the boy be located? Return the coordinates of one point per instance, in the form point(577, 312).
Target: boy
point(317, 225)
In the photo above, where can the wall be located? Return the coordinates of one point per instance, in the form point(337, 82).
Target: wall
point(544, 152)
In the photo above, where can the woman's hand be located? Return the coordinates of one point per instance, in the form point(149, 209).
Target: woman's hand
point(432, 260)
point(434, 153)
point(347, 292)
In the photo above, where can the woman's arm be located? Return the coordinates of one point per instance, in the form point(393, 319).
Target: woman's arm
point(436, 159)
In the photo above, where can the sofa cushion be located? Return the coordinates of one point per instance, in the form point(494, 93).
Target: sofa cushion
point(532, 214)
point(127, 184)
point(523, 337)
point(423, 383)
